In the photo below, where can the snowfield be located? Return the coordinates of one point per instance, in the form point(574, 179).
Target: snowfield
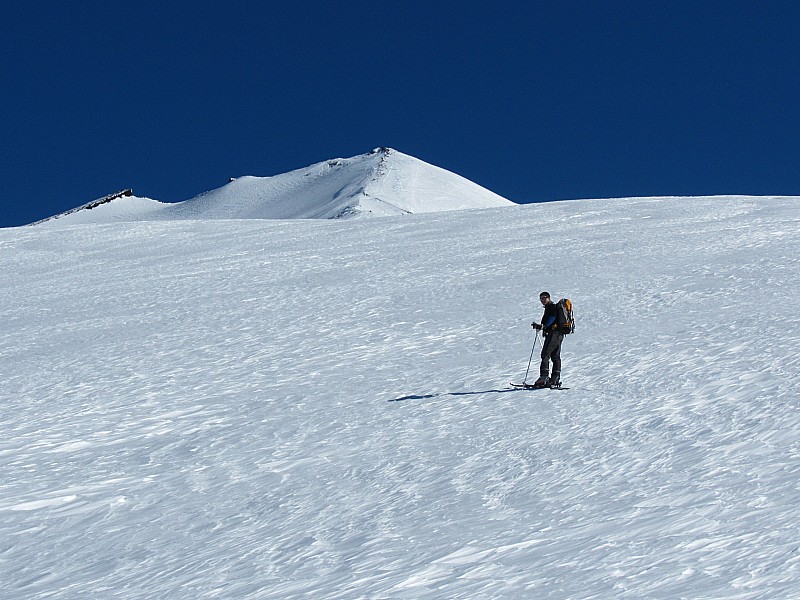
point(266, 409)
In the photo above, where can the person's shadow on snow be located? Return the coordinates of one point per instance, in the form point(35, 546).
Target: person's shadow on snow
point(426, 396)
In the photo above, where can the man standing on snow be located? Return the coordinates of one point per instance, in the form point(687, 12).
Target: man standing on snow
point(551, 346)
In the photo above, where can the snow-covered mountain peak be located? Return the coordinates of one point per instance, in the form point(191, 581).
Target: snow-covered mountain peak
point(383, 182)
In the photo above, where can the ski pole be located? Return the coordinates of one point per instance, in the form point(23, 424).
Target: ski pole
point(530, 360)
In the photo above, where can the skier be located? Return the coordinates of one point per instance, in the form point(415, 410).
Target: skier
point(551, 346)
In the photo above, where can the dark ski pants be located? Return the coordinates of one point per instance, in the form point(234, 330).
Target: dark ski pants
point(551, 350)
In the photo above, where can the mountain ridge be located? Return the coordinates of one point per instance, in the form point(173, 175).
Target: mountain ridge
point(383, 182)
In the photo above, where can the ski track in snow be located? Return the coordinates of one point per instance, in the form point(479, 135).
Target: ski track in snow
point(253, 409)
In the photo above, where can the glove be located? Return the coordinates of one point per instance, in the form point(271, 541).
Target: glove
point(536, 326)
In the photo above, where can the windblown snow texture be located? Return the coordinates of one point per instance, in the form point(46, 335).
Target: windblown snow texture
point(319, 409)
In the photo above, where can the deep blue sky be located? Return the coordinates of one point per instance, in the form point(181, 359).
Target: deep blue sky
point(537, 100)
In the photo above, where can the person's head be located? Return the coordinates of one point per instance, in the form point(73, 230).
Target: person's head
point(544, 297)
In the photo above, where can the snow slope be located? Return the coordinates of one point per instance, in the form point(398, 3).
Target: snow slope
point(319, 409)
point(382, 183)
point(121, 206)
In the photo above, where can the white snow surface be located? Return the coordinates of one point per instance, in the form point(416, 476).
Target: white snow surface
point(259, 409)
point(383, 182)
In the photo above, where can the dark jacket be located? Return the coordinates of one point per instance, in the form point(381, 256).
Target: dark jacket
point(550, 318)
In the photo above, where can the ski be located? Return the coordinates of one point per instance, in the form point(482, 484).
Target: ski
point(530, 386)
